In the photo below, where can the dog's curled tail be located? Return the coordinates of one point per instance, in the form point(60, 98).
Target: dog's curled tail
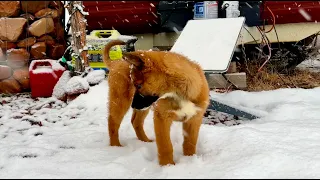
point(106, 57)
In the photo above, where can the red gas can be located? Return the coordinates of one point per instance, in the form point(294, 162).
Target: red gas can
point(44, 74)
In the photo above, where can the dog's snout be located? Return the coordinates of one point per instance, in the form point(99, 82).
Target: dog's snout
point(139, 86)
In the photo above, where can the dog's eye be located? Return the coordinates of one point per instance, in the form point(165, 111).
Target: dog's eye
point(139, 86)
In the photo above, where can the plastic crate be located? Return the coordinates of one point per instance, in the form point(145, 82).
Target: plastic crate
point(96, 42)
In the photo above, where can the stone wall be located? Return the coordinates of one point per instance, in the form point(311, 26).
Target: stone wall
point(29, 30)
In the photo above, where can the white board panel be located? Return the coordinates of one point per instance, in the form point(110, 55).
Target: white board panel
point(210, 42)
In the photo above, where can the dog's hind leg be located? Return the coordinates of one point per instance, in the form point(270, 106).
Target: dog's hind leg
point(137, 120)
point(191, 129)
point(119, 103)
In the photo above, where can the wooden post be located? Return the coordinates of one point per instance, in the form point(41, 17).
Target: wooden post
point(78, 29)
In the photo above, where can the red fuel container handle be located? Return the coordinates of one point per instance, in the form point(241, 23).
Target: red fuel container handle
point(41, 63)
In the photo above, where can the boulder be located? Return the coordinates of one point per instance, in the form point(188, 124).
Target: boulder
point(57, 5)
point(10, 85)
point(27, 42)
point(95, 77)
point(5, 45)
point(38, 50)
point(11, 28)
point(33, 6)
point(58, 32)
point(47, 12)
point(41, 27)
point(5, 72)
point(17, 58)
point(59, 89)
point(2, 56)
point(28, 16)
point(56, 51)
point(47, 39)
point(9, 8)
point(76, 86)
point(22, 76)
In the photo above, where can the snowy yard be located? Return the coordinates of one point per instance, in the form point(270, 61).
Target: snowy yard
point(71, 141)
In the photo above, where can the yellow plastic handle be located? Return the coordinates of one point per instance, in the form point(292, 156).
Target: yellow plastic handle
point(98, 33)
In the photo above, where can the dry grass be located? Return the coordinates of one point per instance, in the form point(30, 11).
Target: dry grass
point(259, 81)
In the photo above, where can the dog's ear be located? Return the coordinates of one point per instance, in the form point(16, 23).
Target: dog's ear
point(133, 58)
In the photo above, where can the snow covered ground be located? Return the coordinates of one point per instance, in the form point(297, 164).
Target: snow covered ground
point(49, 139)
point(312, 65)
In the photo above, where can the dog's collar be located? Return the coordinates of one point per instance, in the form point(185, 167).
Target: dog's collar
point(130, 72)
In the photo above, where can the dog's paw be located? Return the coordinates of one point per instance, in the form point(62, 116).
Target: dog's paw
point(116, 144)
point(147, 140)
point(166, 163)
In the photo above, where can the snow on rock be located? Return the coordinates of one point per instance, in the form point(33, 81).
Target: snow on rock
point(77, 85)
point(95, 77)
point(59, 89)
point(57, 66)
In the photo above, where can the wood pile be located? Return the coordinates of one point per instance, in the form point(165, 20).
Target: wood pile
point(29, 30)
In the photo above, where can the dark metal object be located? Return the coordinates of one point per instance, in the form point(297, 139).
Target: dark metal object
point(218, 106)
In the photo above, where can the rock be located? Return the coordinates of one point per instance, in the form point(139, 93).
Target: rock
point(47, 39)
point(59, 89)
point(9, 8)
point(38, 50)
point(76, 86)
point(5, 72)
point(11, 28)
point(2, 56)
point(33, 6)
point(57, 5)
point(27, 42)
point(41, 27)
point(58, 32)
point(22, 76)
point(28, 16)
point(5, 45)
point(17, 58)
point(95, 77)
point(24, 35)
point(56, 51)
point(47, 12)
point(10, 85)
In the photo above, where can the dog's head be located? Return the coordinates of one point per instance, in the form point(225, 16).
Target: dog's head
point(145, 74)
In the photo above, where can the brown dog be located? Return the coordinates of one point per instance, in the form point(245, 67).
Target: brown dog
point(180, 85)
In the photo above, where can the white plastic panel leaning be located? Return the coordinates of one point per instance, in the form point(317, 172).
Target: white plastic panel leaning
point(210, 42)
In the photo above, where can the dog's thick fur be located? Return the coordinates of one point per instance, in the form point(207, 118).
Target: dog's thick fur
point(180, 85)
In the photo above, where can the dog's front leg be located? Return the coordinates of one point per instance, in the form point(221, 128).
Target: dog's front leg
point(163, 119)
point(137, 120)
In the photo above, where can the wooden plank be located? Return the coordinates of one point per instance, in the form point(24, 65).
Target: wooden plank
point(78, 28)
point(291, 32)
point(218, 81)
